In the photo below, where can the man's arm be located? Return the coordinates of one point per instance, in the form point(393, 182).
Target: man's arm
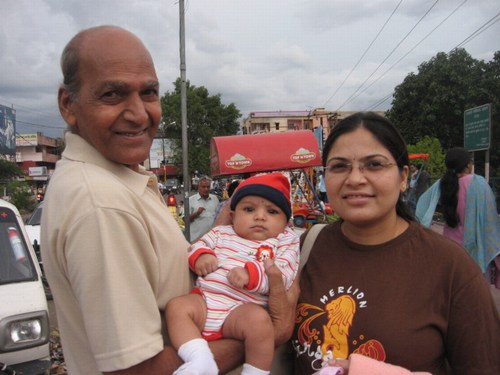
point(228, 354)
point(164, 363)
point(282, 302)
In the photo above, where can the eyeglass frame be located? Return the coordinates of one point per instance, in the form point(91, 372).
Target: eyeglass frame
point(361, 166)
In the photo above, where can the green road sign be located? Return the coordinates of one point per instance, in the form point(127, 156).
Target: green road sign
point(477, 128)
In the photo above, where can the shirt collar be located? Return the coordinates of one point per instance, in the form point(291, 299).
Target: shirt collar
point(78, 149)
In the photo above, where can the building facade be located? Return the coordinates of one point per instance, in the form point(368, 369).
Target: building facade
point(282, 121)
point(36, 155)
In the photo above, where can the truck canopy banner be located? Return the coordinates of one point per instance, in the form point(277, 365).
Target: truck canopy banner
point(263, 152)
point(418, 156)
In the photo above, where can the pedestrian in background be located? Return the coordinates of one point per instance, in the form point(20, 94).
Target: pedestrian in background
point(202, 207)
point(322, 188)
point(229, 191)
point(171, 200)
point(468, 206)
point(418, 184)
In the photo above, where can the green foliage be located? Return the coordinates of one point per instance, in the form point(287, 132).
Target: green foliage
point(9, 169)
point(207, 117)
point(432, 102)
point(435, 165)
point(21, 196)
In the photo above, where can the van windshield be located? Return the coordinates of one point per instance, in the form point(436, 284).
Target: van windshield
point(15, 261)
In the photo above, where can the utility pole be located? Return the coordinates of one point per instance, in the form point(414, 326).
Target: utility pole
point(185, 167)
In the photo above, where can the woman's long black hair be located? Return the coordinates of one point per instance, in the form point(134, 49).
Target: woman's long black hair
point(456, 160)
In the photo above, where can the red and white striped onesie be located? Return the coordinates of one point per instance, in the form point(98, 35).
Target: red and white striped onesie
point(234, 251)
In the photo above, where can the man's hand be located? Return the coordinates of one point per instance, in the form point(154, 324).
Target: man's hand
point(282, 303)
point(224, 216)
point(238, 277)
point(205, 264)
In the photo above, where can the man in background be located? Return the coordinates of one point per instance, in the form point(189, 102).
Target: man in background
point(202, 208)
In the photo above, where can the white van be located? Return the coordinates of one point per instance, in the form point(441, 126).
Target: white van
point(24, 322)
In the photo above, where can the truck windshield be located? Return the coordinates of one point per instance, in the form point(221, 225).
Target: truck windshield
point(16, 264)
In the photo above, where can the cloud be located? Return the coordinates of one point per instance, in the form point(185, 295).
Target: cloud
point(259, 54)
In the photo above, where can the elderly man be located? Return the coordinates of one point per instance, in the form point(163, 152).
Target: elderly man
point(202, 208)
point(114, 255)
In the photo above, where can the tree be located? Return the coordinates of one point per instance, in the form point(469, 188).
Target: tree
point(432, 102)
point(207, 117)
point(9, 169)
point(435, 165)
point(21, 196)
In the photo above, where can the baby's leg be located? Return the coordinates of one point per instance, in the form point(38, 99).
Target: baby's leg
point(252, 324)
point(185, 318)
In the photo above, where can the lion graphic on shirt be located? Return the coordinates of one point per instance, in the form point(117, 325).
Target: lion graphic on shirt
point(335, 341)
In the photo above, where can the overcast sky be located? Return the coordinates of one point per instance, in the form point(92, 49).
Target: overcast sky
point(261, 55)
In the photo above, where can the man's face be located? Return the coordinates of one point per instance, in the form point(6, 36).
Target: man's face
point(118, 109)
point(204, 188)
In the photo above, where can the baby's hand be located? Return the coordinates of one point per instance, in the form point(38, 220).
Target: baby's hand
point(238, 277)
point(205, 264)
point(336, 367)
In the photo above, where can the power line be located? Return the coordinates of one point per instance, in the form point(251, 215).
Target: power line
point(407, 53)
point(473, 35)
point(380, 102)
point(478, 32)
point(40, 125)
point(364, 53)
point(393, 50)
point(29, 109)
point(16, 108)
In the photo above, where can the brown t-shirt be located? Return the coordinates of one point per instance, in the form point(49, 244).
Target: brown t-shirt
point(418, 301)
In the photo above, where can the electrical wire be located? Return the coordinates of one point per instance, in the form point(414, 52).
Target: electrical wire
point(363, 55)
point(478, 31)
point(473, 35)
point(407, 53)
point(389, 55)
point(17, 108)
point(40, 125)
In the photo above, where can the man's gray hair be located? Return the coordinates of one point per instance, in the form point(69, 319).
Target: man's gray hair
point(204, 178)
point(70, 61)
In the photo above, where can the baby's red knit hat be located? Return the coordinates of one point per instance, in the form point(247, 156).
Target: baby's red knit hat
point(273, 186)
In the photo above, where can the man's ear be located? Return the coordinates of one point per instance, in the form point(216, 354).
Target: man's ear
point(66, 107)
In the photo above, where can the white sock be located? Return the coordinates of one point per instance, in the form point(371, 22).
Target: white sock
point(198, 359)
point(251, 370)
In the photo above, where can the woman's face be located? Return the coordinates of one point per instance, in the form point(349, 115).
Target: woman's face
point(365, 197)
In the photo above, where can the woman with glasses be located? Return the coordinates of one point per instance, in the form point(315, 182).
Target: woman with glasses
point(379, 284)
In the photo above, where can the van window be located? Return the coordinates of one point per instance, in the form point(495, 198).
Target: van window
point(15, 261)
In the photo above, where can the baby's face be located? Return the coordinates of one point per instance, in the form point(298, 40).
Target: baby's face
point(257, 218)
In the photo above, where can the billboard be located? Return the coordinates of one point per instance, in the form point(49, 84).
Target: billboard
point(237, 154)
point(7, 130)
point(27, 139)
point(477, 128)
point(161, 149)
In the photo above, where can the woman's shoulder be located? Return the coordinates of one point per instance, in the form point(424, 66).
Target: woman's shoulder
point(430, 243)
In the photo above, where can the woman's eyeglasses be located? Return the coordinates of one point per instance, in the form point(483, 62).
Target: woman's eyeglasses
point(368, 168)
